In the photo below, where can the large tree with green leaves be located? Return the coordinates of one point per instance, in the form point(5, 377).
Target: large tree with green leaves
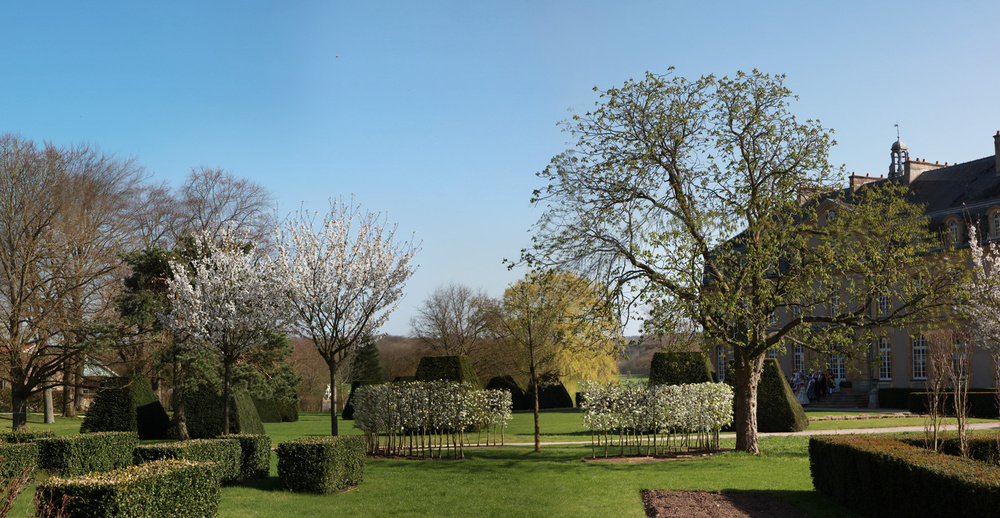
point(708, 195)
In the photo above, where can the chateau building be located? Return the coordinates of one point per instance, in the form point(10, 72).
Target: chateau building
point(954, 196)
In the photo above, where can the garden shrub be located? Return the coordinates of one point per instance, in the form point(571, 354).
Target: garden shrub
point(73, 455)
point(289, 411)
point(552, 395)
point(159, 488)
point(267, 409)
point(203, 409)
point(127, 405)
point(14, 457)
point(255, 455)
point(878, 475)
point(777, 408)
point(447, 368)
point(517, 395)
point(321, 464)
point(347, 413)
point(226, 453)
point(25, 435)
point(678, 368)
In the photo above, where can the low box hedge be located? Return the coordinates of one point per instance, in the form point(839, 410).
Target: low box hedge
point(255, 458)
point(14, 457)
point(878, 475)
point(225, 452)
point(25, 435)
point(159, 488)
point(980, 403)
point(321, 464)
point(78, 454)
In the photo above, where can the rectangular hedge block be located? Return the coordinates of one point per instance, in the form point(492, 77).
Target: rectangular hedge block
point(158, 488)
point(79, 454)
point(224, 452)
point(321, 464)
point(256, 455)
point(884, 476)
point(14, 457)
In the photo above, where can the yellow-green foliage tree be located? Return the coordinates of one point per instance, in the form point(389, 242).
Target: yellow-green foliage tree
point(555, 325)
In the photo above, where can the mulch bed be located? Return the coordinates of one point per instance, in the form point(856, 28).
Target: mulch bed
point(689, 454)
point(707, 504)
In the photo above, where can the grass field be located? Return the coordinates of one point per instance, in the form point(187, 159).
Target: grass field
point(514, 481)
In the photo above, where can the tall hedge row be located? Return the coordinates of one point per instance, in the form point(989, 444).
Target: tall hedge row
point(204, 411)
point(15, 457)
point(679, 368)
point(980, 403)
point(127, 405)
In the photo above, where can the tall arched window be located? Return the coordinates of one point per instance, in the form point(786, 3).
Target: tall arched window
point(995, 219)
point(955, 231)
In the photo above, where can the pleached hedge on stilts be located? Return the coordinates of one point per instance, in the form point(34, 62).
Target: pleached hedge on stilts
point(429, 418)
point(628, 419)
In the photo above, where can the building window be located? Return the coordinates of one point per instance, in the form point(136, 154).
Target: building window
point(884, 359)
point(955, 232)
point(995, 219)
point(834, 304)
point(772, 352)
point(884, 304)
point(799, 358)
point(919, 346)
point(772, 319)
point(837, 366)
point(720, 351)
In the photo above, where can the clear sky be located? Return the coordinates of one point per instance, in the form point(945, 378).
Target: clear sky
point(441, 113)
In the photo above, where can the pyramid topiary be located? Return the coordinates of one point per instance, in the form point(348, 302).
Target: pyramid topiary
point(127, 405)
point(448, 368)
point(678, 368)
point(203, 410)
point(777, 408)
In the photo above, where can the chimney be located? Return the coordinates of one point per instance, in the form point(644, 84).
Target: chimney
point(857, 181)
point(996, 152)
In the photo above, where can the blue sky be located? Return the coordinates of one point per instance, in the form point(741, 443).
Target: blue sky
point(441, 113)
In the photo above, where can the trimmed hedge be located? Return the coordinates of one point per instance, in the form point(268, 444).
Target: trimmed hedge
point(267, 409)
point(878, 475)
point(73, 455)
point(203, 410)
point(447, 368)
point(777, 408)
point(255, 455)
point(321, 464)
point(895, 397)
point(159, 488)
point(225, 453)
point(678, 368)
point(127, 405)
point(24, 435)
point(347, 413)
point(14, 457)
point(981, 403)
point(289, 411)
point(552, 395)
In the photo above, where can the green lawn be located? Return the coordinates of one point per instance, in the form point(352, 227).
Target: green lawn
point(514, 481)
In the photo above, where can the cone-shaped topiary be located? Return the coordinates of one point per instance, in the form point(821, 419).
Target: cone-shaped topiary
point(518, 398)
point(203, 409)
point(127, 405)
point(448, 368)
point(777, 408)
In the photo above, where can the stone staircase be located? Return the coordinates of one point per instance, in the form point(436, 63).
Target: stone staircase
point(838, 401)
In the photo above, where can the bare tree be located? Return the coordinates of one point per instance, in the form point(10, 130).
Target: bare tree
point(213, 200)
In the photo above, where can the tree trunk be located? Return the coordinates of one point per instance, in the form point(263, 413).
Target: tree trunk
point(50, 411)
point(538, 433)
point(225, 398)
point(745, 413)
point(68, 408)
point(179, 417)
point(19, 404)
point(78, 387)
point(333, 399)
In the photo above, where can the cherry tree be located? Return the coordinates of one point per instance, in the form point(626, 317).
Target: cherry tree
point(346, 276)
point(982, 303)
point(228, 300)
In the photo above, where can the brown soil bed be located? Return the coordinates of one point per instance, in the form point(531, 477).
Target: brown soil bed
point(689, 454)
point(706, 504)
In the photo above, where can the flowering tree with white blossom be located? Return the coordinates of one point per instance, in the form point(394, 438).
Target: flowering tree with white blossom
point(346, 276)
point(228, 301)
point(982, 303)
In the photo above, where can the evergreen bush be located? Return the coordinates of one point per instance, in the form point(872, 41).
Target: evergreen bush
point(517, 395)
point(894, 397)
point(255, 457)
point(267, 409)
point(127, 405)
point(447, 368)
point(981, 403)
point(777, 408)
point(289, 411)
point(159, 488)
point(678, 368)
point(321, 464)
point(25, 435)
point(73, 455)
point(204, 410)
point(552, 395)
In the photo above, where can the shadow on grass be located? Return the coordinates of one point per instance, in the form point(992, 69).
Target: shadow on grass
point(269, 484)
